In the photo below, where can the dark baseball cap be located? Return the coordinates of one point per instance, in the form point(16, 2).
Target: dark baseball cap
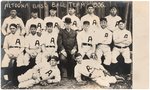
point(14, 25)
point(77, 55)
point(33, 25)
point(90, 5)
point(86, 22)
point(53, 8)
point(103, 19)
point(67, 20)
point(34, 11)
point(71, 6)
point(49, 24)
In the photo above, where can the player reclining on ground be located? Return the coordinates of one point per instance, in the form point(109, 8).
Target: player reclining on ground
point(46, 72)
point(92, 69)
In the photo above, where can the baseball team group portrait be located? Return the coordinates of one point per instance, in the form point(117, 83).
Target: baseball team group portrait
point(66, 45)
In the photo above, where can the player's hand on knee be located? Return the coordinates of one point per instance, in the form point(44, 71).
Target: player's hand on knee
point(35, 76)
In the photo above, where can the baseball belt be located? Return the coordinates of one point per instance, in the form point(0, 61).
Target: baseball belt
point(87, 44)
point(14, 47)
point(121, 47)
point(50, 46)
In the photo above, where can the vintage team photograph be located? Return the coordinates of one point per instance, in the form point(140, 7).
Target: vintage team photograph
point(66, 44)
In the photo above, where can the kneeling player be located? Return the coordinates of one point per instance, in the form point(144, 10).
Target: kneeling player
point(47, 72)
point(93, 70)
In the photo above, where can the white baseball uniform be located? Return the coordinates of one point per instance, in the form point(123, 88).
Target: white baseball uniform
point(92, 69)
point(122, 40)
point(111, 22)
point(33, 46)
point(55, 20)
point(76, 24)
point(41, 72)
point(86, 44)
point(93, 19)
point(103, 39)
point(49, 46)
point(38, 22)
point(13, 46)
point(8, 21)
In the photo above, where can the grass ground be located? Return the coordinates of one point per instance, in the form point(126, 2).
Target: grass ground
point(71, 84)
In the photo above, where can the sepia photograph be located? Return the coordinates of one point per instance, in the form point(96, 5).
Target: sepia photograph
point(67, 44)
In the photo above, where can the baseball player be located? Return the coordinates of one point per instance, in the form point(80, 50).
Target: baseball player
point(122, 40)
point(13, 18)
point(45, 71)
point(32, 46)
point(104, 37)
point(75, 20)
point(13, 47)
point(49, 43)
point(40, 24)
point(91, 17)
point(92, 69)
point(85, 40)
point(112, 19)
point(57, 22)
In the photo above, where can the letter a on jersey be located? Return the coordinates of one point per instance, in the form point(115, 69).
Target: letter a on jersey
point(18, 41)
point(74, 23)
point(106, 34)
point(52, 41)
point(56, 24)
point(39, 25)
point(126, 36)
point(37, 43)
point(90, 38)
point(94, 22)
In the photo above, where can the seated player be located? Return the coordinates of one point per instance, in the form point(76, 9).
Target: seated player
point(85, 40)
point(104, 37)
point(93, 70)
point(49, 43)
point(32, 46)
point(47, 72)
point(13, 47)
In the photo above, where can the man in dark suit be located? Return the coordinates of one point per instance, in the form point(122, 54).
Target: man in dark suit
point(67, 47)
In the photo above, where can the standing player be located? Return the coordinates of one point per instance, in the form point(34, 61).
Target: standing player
point(92, 69)
point(85, 40)
point(75, 20)
point(32, 46)
point(13, 18)
point(49, 43)
point(47, 72)
point(57, 22)
point(91, 17)
point(104, 37)
point(35, 20)
point(112, 19)
point(67, 47)
point(122, 40)
point(13, 47)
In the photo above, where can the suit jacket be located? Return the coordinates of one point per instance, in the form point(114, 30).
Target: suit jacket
point(67, 40)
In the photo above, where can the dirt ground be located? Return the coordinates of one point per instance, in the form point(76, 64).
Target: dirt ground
point(71, 84)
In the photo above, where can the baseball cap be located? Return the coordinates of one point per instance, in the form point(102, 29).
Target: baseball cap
point(53, 57)
point(71, 6)
point(67, 20)
point(103, 19)
point(113, 7)
point(90, 5)
point(49, 24)
point(13, 25)
point(33, 25)
point(86, 22)
point(77, 55)
point(53, 8)
point(34, 11)
point(123, 21)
